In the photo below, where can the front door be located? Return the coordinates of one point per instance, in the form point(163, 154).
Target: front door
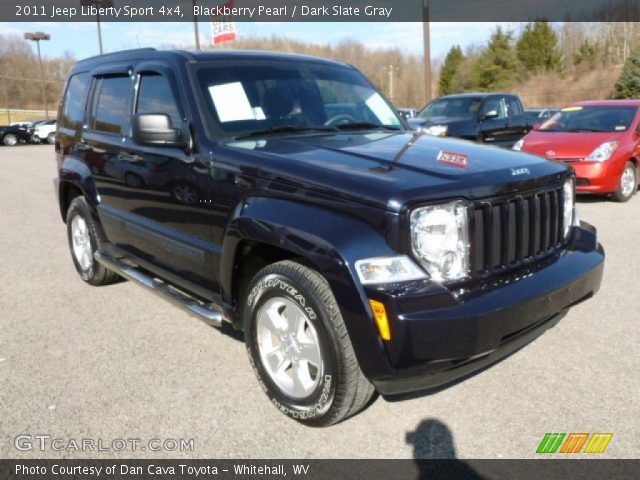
point(169, 220)
point(495, 130)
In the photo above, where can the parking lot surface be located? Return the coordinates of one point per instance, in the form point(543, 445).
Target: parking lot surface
point(117, 362)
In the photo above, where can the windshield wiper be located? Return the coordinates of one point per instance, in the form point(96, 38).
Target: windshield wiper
point(366, 126)
point(578, 130)
point(287, 129)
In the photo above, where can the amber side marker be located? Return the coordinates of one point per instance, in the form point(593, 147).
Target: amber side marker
point(380, 313)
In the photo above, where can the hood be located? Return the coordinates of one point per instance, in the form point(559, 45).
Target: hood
point(394, 169)
point(567, 145)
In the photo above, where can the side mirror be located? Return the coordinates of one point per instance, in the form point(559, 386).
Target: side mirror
point(156, 130)
point(490, 114)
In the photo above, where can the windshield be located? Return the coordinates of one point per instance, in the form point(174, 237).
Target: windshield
point(591, 119)
point(452, 107)
point(268, 97)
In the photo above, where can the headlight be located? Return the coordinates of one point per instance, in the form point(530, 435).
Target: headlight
point(373, 271)
point(603, 152)
point(568, 206)
point(518, 145)
point(440, 240)
point(436, 130)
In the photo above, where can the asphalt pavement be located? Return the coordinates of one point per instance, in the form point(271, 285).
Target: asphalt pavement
point(117, 363)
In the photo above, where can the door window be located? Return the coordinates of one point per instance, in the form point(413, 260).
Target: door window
point(110, 106)
point(74, 103)
point(156, 96)
point(497, 104)
point(514, 109)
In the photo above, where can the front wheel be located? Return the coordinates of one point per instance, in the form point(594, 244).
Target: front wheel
point(628, 184)
point(299, 347)
point(51, 138)
point(10, 140)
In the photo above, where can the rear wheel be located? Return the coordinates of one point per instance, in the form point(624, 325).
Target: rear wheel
point(51, 138)
point(83, 242)
point(628, 184)
point(10, 140)
point(299, 347)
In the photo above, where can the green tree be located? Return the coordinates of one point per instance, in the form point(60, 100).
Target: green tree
point(449, 69)
point(585, 54)
point(497, 65)
point(537, 47)
point(628, 84)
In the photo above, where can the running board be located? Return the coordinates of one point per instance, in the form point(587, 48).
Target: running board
point(192, 306)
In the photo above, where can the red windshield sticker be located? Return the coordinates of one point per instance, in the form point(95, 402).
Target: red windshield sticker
point(452, 158)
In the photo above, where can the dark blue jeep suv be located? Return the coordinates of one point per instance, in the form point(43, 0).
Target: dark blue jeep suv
point(282, 194)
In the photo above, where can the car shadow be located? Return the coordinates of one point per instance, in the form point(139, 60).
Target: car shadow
point(592, 198)
point(433, 440)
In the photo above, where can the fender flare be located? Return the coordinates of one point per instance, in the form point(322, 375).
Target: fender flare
point(77, 174)
point(329, 241)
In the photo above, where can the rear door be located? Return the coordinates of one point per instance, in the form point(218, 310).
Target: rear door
point(101, 147)
point(517, 119)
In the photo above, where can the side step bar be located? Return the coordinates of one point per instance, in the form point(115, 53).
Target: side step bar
point(192, 306)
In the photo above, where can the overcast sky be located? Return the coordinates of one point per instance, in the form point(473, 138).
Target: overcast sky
point(81, 38)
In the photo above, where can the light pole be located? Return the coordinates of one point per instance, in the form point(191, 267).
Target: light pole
point(196, 28)
point(427, 49)
point(38, 37)
point(98, 4)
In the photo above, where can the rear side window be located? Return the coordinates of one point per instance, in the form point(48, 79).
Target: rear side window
point(515, 109)
point(74, 103)
point(156, 96)
point(110, 104)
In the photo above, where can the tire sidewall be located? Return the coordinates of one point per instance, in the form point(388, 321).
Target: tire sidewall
point(80, 208)
point(51, 138)
point(319, 402)
point(13, 143)
point(619, 195)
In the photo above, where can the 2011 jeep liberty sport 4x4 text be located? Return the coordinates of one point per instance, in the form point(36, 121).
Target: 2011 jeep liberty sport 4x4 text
point(282, 194)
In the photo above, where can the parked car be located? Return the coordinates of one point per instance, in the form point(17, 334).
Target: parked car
point(539, 115)
point(354, 255)
point(600, 140)
point(407, 113)
point(11, 135)
point(45, 131)
point(494, 118)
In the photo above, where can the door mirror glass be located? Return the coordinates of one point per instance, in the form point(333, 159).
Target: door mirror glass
point(491, 114)
point(156, 130)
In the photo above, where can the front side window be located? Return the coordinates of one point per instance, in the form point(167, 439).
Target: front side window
point(156, 96)
point(245, 98)
point(111, 104)
point(591, 119)
point(496, 104)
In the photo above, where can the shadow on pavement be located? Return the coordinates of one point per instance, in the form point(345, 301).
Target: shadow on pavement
point(433, 440)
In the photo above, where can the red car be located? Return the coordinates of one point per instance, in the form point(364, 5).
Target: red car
point(599, 139)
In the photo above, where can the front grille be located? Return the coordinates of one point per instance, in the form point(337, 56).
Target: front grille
point(508, 232)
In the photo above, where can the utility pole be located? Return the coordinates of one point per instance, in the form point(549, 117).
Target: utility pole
point(427, 50)
point(38, 37)
point(196, 28)
point(6, 99)
point(391, 69)
point(98, 4)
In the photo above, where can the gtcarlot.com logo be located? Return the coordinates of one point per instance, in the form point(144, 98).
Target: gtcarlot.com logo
point(44, 442)
point(574, 443)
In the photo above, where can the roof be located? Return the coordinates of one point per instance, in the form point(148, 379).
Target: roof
point(477, 94)
point(193, 56)
point(602, 103)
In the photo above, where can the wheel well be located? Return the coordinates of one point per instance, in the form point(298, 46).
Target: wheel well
point(67, 193)
point(251, 257)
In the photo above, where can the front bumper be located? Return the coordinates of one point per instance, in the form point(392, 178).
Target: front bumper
point(597, 177)
point(438, 338)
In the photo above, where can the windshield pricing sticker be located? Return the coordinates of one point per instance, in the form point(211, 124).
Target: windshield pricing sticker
point(232, 103)
point(451, 158)
point(571, 109)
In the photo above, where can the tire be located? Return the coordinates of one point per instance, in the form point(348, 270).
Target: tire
point(51, 138)
point(628, 184)
point(86, 240)
point(10, 140)
point(133, 180)
point(334, 387)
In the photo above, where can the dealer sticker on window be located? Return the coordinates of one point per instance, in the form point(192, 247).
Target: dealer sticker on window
point(452, 158)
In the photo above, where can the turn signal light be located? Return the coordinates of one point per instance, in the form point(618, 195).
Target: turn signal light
point(380, 313)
